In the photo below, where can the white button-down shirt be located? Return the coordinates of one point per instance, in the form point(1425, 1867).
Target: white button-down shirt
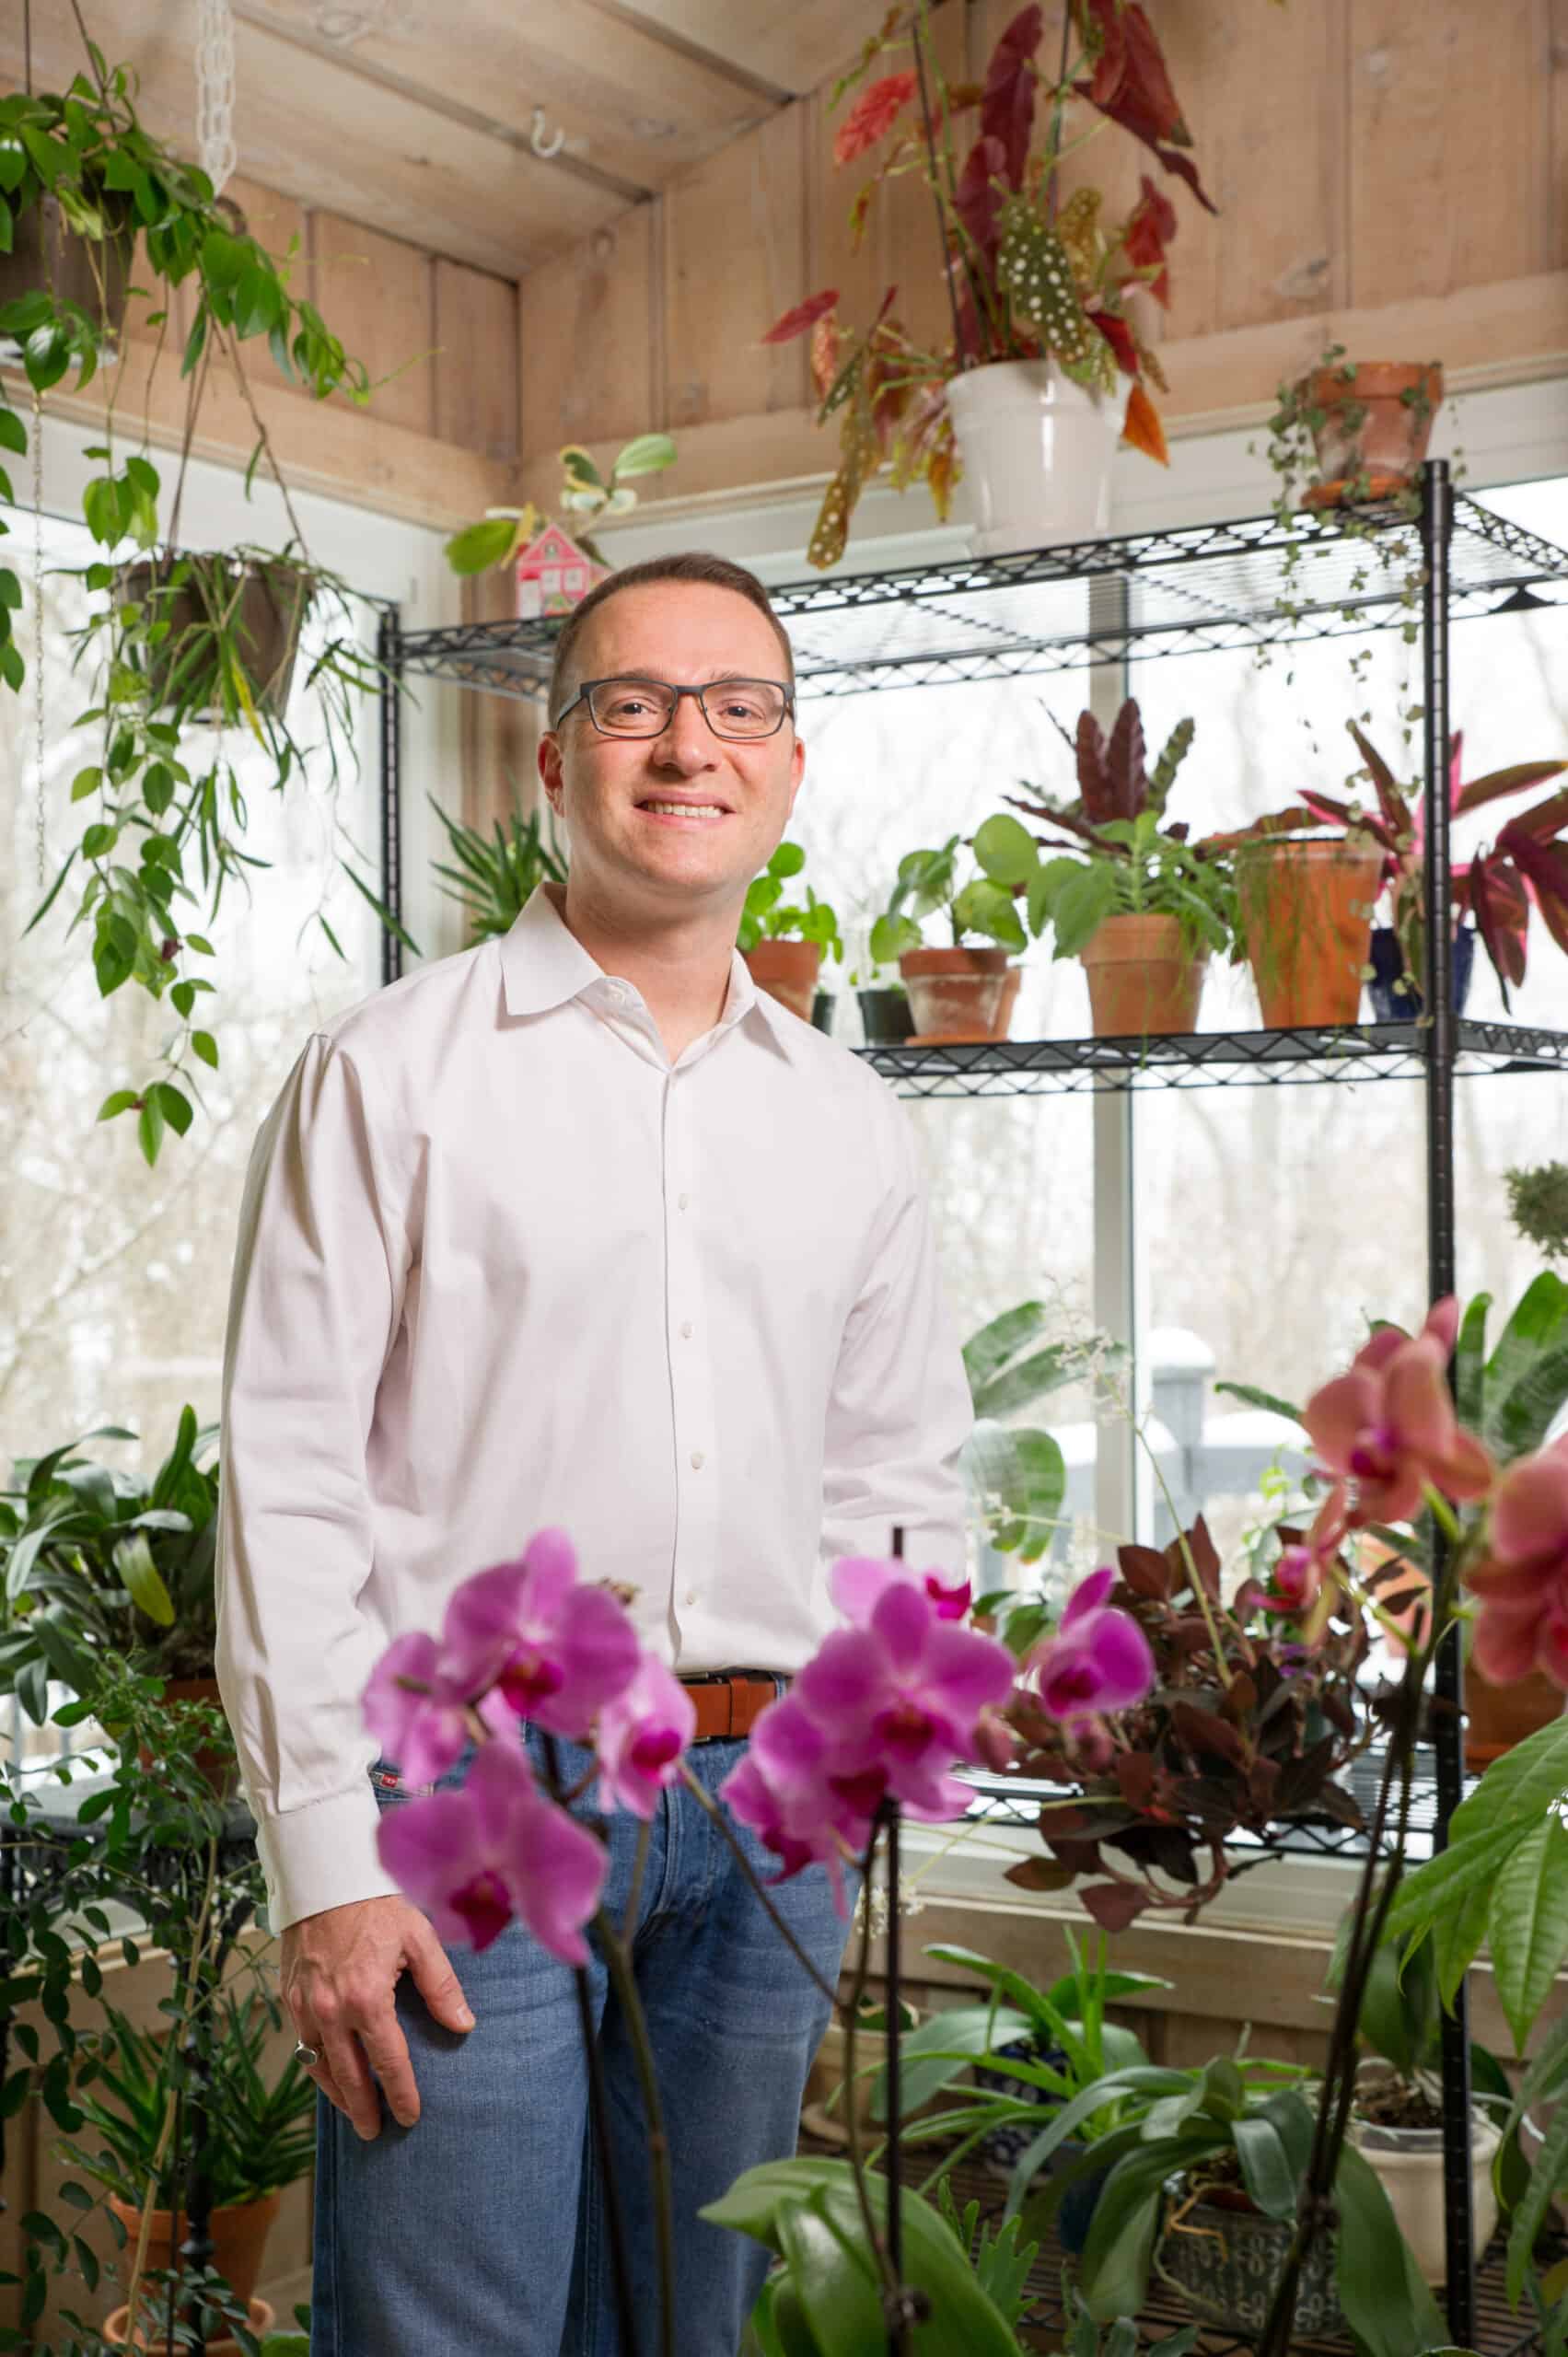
point(500, 1265)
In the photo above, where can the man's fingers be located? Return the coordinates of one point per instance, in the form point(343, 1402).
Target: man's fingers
point(355, 2089)
point(387, 2051)
point(435, 1978)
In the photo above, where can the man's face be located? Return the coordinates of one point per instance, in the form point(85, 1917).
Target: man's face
point(738, 793)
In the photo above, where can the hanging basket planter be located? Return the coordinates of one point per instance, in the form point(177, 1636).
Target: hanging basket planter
point(1306, 916)
point(1371, 421)
point(47, 255)
point(218, 615)
point(1143, 978)
point(1037, 451)
point(957, 996)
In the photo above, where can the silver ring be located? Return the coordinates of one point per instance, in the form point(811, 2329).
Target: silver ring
point(308, 2055)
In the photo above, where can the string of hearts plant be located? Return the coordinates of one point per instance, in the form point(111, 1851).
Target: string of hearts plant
point(1031, 267)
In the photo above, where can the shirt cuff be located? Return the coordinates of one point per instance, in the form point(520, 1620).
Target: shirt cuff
point(321, 1856)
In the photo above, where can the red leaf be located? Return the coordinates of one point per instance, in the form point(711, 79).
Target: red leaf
point(1141, 426)
point(1395, 808)
point(1041, 1873)
point(1498, 783)
point(872, 116)
point(977, 197)
point(1149, 231)
point(1113, 1905)
point(1145, 1571)
point(805, 315)
point(1124, 761)
point(1007, 107)
point(1547, 819)
point(1502, 916)
point(1119, 335)
point(1130, 85)
point(1544, 868)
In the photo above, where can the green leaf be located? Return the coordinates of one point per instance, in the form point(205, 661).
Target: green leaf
point(580, 468)
point(1527, 1376)
point(1517, 1790)
point(1387, 2304)
point(120, 1101)
point(1034, 272)
point(1443, 1881)
point(1266, 2165)
point(86, 782)
point(647, 454)
point(1470, 1363)
point(1114, 2268)
point(204, 1045)
point(833, 2282)
point(1006, 849)
point(176, 1105)
point(133, 1559)
point(13, 433)
point(1529, 1926)
point(1252, 1398)
point(149, 1129)
point(1456, 1938)
point(479, 546)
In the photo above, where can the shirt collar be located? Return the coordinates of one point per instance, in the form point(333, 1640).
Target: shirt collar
point(544, 965)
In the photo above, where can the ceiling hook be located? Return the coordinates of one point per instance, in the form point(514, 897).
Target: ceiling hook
point(537, 140)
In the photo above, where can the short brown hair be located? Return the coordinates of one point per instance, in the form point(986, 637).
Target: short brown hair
point(700, 565)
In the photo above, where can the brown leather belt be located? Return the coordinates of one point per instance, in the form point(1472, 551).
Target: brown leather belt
point(730, 1702)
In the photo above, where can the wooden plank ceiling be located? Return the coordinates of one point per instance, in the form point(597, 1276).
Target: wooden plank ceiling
point(415, 116)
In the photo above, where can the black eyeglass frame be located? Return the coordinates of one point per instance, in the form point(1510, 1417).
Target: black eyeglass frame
point(729, 736)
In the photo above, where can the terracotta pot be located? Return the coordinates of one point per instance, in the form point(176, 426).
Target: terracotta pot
point(263, 2315)
point(239, 2229)
point(1141, 977)
point(955, 995)
point(1306, 914)
point(787, 971)
point(1012, 983)
point(48, 255)
point(1497, 1717)
point(1372, 432)
point(826, 2077)
point(275, 597)
point(215, 1766)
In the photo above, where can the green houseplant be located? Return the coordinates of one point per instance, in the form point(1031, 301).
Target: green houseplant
point(182, 639)
point(1127, 893)
point(1016, 1474)
point(955, 993)
point(99, 1565)
point(502, 533)
point(782, 941)
point(1038, 279)
point(495, 881)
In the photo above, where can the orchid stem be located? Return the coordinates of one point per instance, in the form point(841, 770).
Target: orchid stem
point(618, 1957)
point(706, 1801)
point(851, 2085)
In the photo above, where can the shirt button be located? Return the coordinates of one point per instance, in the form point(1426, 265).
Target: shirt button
point(686, 1331)
point(680, 1202)
point(617, 990)
point(696, 1460)
point(691, 1595)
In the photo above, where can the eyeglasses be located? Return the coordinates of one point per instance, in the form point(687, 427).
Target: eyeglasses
point(740, 708)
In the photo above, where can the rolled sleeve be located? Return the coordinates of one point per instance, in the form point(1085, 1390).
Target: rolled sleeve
point(899, 1409)
point(315, 1303)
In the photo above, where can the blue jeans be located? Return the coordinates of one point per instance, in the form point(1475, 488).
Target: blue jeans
point(481, 2231)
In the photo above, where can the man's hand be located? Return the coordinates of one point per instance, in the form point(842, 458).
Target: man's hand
point(340, 1969)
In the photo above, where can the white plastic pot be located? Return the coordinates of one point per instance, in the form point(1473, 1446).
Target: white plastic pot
point(1408, 2161)
point(1037, 451)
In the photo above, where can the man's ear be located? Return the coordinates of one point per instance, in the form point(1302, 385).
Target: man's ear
point(548, 760)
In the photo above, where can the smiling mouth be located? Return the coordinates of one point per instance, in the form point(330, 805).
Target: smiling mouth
point(703, 813)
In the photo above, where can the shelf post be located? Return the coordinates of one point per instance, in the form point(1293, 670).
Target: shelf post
point(389, 655)
point(1448, 1740)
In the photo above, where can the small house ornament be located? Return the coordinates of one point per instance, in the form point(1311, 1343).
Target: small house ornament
point(553, 574)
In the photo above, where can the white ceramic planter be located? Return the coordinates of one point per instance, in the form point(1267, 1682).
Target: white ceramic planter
point(1408, 2161)
point(1037, 451)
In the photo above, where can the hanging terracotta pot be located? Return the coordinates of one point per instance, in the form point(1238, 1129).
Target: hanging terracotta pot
point(1497, 1717)
point(47, 253)
point(787, 971)
point(1306, 915)
point(1377, 424)
point(955, 994)
point(1143, 977)
point(263, 605)
point(239, 2231)
point(1037, 452)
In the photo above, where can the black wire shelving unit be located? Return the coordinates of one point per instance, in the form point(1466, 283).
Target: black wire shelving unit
point(1191, 590)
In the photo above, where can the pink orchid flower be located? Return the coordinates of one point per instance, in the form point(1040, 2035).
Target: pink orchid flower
point(417, 1711)
point(783, 1787)
point(557, 1651)
point(1388, 1425)
point(1298, 1575)
point(1523, 1584)
point(474, 1858)
point(901, 1698)
point(857, 1582)
point(643, 1731)
point(1096, 1660)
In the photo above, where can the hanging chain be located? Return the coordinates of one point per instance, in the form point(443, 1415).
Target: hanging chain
point(215, 87)
point(38, 617)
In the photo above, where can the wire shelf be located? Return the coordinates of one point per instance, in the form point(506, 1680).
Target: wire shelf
point(1210, 1060)
point(1197, 589)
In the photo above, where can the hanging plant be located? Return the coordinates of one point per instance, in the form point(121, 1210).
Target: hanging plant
point(181, 644)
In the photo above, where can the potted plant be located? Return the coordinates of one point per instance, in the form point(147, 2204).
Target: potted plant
point(99, 1565)
point(502, 533)
point(265, 2139)
point(884, 1003)
point(957, 994)
point(1397, 2114)
point(1538, 1205)
point(1132, 897)
point(1042, 283)
point(1366, 424)
point(496, 882)
point(1306, 899)
point(829, 2094)
point(783, 943)
point(180, 638)
point(1016, 1475)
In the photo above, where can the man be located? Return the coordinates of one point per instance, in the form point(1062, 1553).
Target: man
point(574, 1229)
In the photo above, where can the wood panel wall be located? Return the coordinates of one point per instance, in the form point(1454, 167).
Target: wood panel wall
point(1388, 176)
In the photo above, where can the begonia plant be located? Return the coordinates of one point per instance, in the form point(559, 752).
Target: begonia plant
point(1032, 267)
